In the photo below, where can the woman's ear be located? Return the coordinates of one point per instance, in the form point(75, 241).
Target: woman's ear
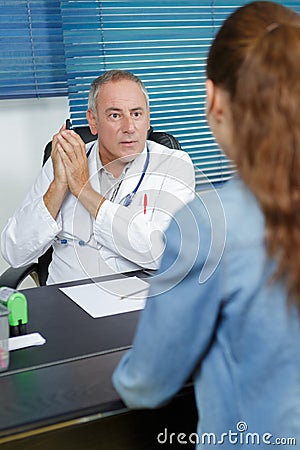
point(92, 121)
point(219, 117)
point(210, 90)
point(216, 102)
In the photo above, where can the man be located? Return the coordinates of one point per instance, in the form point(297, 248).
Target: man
point(102, 206)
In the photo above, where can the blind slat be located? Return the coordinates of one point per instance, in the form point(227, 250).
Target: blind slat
point(32, 57)
point(165, 43)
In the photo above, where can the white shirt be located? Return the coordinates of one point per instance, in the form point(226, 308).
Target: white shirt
point(120, 238)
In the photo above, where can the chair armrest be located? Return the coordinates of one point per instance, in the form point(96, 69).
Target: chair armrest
point(13, 277)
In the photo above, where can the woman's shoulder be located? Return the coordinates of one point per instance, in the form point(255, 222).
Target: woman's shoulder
point(231, 211)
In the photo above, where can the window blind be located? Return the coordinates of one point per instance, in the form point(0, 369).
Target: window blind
point(165, 43)
point(32, 59)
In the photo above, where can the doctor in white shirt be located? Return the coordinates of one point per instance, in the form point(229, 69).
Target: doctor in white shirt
point(103, 206)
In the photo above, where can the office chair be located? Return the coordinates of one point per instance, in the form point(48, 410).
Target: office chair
point(38, 271)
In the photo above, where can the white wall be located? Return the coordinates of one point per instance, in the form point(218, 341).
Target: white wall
point(25, 128)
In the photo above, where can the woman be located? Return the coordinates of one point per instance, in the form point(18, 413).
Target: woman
point(236, 329)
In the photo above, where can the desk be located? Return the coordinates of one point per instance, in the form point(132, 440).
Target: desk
point(60, 395)
point(70, 332)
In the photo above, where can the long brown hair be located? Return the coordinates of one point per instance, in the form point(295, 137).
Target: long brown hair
point(255, 57)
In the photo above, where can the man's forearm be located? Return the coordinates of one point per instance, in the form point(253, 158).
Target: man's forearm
point(91, 200)
point(54, 198)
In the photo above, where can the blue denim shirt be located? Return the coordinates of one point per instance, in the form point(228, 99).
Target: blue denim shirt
point(225, 322)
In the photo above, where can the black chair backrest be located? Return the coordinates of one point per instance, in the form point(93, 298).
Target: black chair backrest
point(163, 138)
point(157, 136)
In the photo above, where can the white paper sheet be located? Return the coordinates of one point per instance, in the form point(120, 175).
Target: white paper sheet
point(25, 340)
point(109, 297)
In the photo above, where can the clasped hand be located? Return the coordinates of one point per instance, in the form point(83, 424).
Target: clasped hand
point(69, 160)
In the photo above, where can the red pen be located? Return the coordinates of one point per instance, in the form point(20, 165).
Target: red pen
point(145, 203)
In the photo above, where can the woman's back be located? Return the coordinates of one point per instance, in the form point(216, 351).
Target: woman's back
point(251, 371)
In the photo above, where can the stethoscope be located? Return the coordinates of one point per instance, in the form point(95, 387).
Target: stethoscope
point(126, 202)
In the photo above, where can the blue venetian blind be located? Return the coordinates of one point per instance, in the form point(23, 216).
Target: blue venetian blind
point(165, 43)
point(32, 59)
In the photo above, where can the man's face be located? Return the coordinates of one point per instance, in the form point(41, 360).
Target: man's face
point(122, 120)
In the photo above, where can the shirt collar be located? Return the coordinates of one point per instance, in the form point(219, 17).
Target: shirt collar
point(101, 167)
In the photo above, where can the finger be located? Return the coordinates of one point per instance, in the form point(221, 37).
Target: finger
point(62, 128)
point(71, 162)
point(75, 166)
point(54, 148)
point(54, 138)
point(62, 154)
point(76, 173)
point(68, 147)
point(75, 141)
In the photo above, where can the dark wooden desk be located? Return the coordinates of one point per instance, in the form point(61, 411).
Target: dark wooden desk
point(60, 395)
point(70, 332)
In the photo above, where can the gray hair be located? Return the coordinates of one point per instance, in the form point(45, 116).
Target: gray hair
point(113, 75)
